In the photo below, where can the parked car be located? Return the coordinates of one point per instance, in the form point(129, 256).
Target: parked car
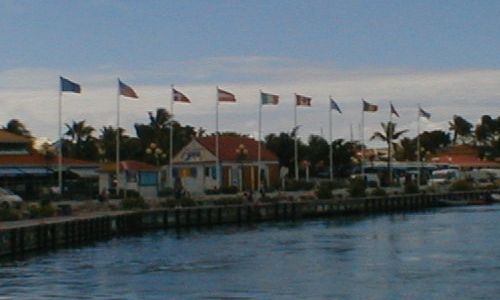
point(8, 199)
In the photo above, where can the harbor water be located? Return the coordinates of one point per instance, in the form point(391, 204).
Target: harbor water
point(447, 253)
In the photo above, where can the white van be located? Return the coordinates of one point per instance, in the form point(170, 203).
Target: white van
point(445, 176)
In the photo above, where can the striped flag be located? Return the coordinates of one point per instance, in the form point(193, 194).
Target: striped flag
point(126, 90)
point(69, 86)
point(180, 97)
point(269, 98)
point(302, 100)
point(225, 96)
point(334, 105)
point(393, 111)
point(369, 107)
point(423, 113)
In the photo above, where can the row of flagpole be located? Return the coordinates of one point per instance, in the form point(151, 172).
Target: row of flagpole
point(225, 96)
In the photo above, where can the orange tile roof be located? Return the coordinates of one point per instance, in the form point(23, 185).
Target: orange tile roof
point(9, 137)
point(229, 144)
point(464, 160)
point(130, 165)
point(36, 159)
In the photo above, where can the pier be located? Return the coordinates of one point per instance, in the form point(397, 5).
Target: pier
point(38, 235)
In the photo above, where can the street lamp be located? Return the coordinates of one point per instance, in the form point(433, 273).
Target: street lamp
point(156, 152)
point(241, 155)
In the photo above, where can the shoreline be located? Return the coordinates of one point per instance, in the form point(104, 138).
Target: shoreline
point(37, 235)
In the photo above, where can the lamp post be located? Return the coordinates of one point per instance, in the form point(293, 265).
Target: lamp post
point(241, 155)
point(156, 152)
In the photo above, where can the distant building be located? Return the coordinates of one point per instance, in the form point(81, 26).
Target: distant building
point(31, 173)
point(195, 164)
point(462, 156)
point(134, 175)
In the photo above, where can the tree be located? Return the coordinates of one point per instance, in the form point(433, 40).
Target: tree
point(282, 146)
point(434, 140)
point(82, 144)
point(317, 153)
point(17, 127)
point(487, 134)
point(388, 135)
point(461, 128)
point(406, 150)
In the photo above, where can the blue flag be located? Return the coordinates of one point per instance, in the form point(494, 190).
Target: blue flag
point(334, 105)
point(69, 86)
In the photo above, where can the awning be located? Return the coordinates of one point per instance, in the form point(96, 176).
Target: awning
point(85, 173)
point(36, 171)
point(10, 172)
point(23, 171)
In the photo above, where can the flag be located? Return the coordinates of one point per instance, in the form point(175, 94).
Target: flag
point(333, 105)
point(224, 96)
point(423, 113)
point(180, 97)
point(393, 111)
point(126, 91)
point(69, 86)
point(269, 98)
point(369, 107)
point(302, 100)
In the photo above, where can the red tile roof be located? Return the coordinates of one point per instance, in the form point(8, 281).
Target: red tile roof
point(229, 144)
point(37, 159)
point(8, 137)
point(130, 165)
point(464, 161)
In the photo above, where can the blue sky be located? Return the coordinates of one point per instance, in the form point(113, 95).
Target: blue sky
point(436, 53)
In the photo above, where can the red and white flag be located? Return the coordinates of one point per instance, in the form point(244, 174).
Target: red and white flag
point(302, 100)
point(224, 96)
point(180, 97)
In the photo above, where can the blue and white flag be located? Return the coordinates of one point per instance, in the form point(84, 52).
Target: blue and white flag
point(334, 105)
point(69, 86)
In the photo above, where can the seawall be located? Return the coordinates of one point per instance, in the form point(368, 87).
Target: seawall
point(22, 237)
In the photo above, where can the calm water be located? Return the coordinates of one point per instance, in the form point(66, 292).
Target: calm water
point(450, 253)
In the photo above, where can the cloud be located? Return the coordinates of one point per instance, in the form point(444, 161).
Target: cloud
point(30, 95)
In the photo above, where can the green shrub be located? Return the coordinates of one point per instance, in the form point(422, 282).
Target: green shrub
point(324, 190)
point(461, 185)
point(182, 202)
point(8, 214)
point(44, 210)
point(229, 190)
point(131, 203)
point(121, 194)
point(166, 192)
point(298, 185)
point(357, 187)
point(411, 188)
point(379, 192)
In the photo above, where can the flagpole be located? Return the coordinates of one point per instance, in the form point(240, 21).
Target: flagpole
point(259, 150)
point(418, 147)
point(389, 138)
point(363, 142)
point(296, 155)
point(59, 152)
point(330, 148)
point(171, 143)
point(217, 162)
point(117, 166)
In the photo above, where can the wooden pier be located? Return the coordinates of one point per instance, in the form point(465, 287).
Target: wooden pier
point(21, 237)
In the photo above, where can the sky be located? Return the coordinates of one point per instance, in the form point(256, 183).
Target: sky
point(443, 55)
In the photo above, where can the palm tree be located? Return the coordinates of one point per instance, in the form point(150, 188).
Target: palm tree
point(17, 127)
point(388, 135)
point(82, 142)
point(460, 127)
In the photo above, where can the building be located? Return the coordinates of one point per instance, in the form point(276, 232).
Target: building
point(133, 175)
point(31, 173)
point(195, 164)
point(462, 156)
